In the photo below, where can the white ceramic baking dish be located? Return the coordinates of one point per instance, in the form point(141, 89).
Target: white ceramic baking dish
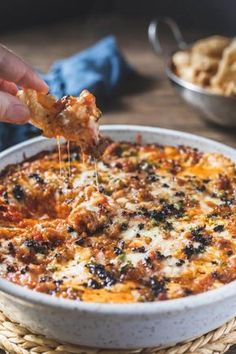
point(119, 325)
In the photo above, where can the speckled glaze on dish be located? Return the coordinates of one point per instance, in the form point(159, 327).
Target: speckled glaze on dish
point(119, 325)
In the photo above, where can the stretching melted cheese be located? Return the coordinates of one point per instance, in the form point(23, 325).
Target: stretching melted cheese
point(159, 224)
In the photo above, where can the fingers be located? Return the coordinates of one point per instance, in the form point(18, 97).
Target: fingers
point(13, 68)
point(12, 110)
point(9, 87)
point(14, 71)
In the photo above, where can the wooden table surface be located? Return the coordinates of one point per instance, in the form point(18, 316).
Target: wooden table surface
point(150, 101)
point(147, 101)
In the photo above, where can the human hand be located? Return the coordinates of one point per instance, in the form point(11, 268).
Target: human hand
point(14, 71)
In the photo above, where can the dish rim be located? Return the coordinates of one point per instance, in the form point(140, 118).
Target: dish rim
point(23, 294)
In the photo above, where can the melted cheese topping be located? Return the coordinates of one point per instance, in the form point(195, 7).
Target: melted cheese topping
point(148, 223)
point(74, 118)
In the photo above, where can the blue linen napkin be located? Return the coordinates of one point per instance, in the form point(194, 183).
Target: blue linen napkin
point(101, 69)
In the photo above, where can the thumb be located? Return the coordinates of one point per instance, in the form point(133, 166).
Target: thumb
point(12, 110)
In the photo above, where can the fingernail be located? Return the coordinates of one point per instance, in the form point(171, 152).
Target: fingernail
point(41, 84)
point(17, 113)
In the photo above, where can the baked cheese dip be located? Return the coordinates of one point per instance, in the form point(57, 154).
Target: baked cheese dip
point(145, 223)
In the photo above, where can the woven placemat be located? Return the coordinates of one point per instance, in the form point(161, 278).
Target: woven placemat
point(15, 338)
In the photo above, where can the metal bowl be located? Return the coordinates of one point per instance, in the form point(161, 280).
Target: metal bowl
point(215, 108)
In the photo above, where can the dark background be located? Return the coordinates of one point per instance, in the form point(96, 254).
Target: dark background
point(212, 15)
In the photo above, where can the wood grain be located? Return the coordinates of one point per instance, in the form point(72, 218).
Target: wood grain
point(150, 100)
